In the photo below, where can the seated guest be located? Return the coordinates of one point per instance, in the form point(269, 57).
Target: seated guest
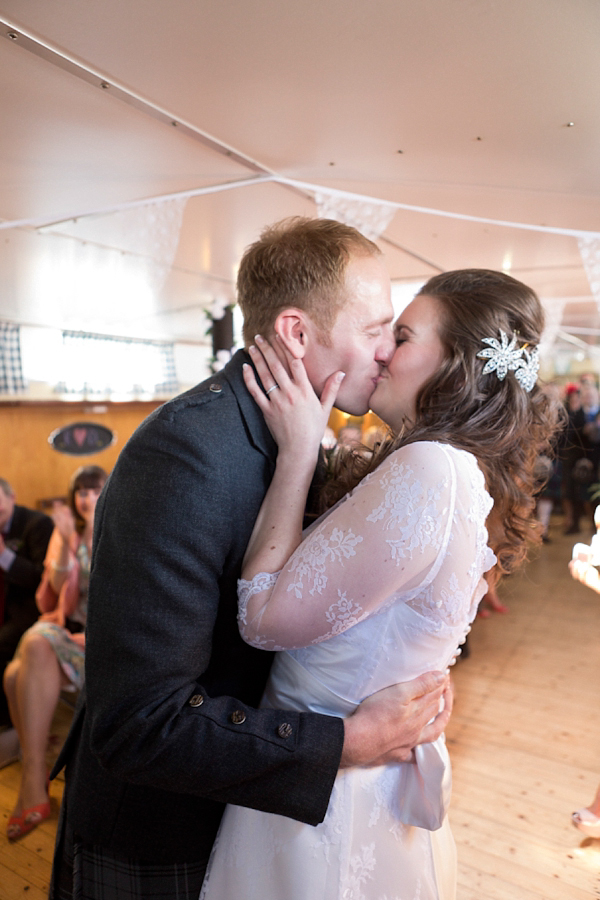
point(50, 655)
point(24, 536)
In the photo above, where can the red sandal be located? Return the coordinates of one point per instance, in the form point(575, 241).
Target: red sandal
point(27, 821)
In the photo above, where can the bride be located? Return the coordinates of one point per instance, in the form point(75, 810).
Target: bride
point(385, 585)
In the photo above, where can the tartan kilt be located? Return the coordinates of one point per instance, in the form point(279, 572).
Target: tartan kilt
point(88, 872)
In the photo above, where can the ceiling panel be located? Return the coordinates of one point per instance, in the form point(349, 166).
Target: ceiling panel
point(460, 106)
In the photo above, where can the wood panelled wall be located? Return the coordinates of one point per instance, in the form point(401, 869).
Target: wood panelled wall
point(37, 471)
point(33, 467)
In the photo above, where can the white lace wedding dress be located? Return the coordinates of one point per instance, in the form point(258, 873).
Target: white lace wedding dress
point(393, 575)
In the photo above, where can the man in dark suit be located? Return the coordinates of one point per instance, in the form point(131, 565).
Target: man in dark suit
point(24, 536)
point(169, 730)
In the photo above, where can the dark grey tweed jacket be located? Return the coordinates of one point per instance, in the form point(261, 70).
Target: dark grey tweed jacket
point(167, 731)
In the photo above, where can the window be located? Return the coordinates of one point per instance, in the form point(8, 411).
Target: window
point(119, 367)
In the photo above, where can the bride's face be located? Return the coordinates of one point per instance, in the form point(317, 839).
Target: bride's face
point(419, 354)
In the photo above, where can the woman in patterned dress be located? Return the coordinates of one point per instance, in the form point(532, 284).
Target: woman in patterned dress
point(385, 585)
point(50, 655)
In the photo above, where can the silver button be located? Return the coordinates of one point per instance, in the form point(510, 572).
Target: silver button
point(215, 388)
point(238, 717)
point(196, 700)
point(284, 730)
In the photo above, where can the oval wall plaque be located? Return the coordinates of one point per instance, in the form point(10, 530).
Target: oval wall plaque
point(82, 438)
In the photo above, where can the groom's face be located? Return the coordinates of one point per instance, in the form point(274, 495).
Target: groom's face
point(361, 340)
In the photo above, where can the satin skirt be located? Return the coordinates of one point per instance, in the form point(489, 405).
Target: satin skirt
point(371, 845)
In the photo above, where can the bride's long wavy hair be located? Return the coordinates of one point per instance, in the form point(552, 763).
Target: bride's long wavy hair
point(504, 426)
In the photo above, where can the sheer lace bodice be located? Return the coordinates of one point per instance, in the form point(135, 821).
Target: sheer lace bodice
point(412, 534)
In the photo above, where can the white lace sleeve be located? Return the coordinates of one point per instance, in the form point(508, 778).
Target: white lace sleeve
point(390, 534)
point(263, 581)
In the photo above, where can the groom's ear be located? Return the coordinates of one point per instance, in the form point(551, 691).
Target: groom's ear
point(291, 328)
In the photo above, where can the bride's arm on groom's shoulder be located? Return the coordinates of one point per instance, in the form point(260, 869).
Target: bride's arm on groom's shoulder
point(297, 419)
point(384, 538)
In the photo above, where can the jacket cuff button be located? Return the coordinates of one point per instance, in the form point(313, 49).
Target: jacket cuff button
point(284, 730)
point(238, 717)
point(196, 700)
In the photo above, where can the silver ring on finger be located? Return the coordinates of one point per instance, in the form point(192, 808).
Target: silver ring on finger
point(272, 388)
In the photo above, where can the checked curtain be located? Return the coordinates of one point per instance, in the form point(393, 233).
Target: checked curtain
point(11, 373)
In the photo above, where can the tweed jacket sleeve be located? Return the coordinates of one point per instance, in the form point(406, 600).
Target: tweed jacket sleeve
point(171, 689)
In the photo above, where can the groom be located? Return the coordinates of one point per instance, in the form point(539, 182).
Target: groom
point(169, 730)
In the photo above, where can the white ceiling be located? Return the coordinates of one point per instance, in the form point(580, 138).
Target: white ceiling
point(459, 106)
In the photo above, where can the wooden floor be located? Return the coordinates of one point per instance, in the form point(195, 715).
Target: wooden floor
point(524, 741)
point(525, 738)
point(25, 865)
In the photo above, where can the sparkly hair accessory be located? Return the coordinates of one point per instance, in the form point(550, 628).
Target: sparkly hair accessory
point(503, 357)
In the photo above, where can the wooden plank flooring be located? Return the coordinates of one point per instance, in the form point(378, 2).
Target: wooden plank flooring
point(524, 741)
point(525, 738)
point(25, 865)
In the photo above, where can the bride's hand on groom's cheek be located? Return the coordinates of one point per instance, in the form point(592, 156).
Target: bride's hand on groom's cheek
point(271, 357)
point(295, 415)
